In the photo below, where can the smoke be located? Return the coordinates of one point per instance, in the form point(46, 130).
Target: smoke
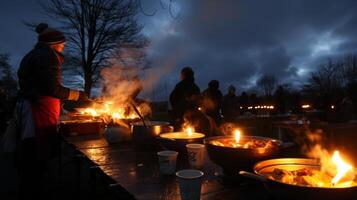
point(120, 85)
point(130, 75)
point(133, 74)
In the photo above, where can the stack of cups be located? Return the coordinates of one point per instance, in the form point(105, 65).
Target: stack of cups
point(167, 161)
point(190, 181)
point(196, 155)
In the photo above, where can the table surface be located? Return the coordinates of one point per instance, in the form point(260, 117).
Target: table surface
point(138, 172)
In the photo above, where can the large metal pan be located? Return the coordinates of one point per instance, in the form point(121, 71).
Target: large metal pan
point(233, 159)
point(296, 192)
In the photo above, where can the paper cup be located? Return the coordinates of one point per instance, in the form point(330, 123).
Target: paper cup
point(167, 161)
point(190, 181)
point(196, 155)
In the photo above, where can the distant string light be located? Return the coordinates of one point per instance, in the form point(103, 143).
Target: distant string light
point(305, 106)
point(261, 107)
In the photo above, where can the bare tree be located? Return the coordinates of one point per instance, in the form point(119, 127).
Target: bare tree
point(8, 84)
point(267, 83)
point(325, 80)
point(349, 69)
point(96, 31)
point(324, 85)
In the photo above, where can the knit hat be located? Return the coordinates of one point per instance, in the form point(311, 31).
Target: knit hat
point(49, 35)
point(188, 73)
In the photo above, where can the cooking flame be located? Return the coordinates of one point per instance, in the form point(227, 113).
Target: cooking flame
point(90, 111)
point(237, 135)
point(189, 131)
point(342, 167)
point(116, 111)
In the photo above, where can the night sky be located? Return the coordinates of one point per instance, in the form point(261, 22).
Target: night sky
point(233, 41)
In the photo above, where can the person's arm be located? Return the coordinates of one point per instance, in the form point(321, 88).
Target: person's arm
point(54, 88)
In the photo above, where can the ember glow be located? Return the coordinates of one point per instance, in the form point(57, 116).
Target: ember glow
point(237, 141)
point(342, 167)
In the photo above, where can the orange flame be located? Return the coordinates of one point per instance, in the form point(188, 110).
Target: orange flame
point(189, 130)
point(342, 167)
point(115, 111)
point(237, 135)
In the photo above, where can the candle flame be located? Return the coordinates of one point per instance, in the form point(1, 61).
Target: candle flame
point(237, 135)
point(342, 167)
point(189, 131)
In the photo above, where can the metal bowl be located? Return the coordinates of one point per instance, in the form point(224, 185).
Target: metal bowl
point(144, 137)
point(295, 192)
point(231, 159)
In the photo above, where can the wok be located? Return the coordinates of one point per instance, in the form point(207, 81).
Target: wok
point(295, 192)
point(231, 159)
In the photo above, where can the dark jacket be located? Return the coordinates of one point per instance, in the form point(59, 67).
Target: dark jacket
point(40, 74)
point(212, 101)
point(230, 107)
point(184, 97)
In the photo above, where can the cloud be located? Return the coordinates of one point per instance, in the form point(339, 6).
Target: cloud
point(233, 41)
point(236, 41)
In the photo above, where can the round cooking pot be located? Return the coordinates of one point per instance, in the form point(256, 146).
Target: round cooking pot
point(115, 134)
point(178, 144)
point(231, 159)
point(144, 136)
point(297, 192)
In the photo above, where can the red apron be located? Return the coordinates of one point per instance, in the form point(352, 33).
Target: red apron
point(46, 112)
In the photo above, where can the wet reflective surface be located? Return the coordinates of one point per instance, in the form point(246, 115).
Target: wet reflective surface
point(138, 173)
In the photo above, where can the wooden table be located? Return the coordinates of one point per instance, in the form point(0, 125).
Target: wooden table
point(138, 172)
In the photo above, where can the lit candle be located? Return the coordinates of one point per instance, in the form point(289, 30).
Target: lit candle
point(187, 133)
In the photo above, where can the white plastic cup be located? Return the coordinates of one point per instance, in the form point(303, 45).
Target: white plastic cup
point(190, 181)
point(167, 162)
point(196, 155)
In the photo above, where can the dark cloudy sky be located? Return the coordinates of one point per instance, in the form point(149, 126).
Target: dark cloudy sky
point(234, 41)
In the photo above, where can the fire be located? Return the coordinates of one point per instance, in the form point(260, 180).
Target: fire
point(112, 111)
point(90, 111)
point(342, 167)
point(189, 131)
point(237, 135)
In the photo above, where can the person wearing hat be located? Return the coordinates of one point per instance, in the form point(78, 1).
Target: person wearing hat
point(185, 96)
point(38, 108)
